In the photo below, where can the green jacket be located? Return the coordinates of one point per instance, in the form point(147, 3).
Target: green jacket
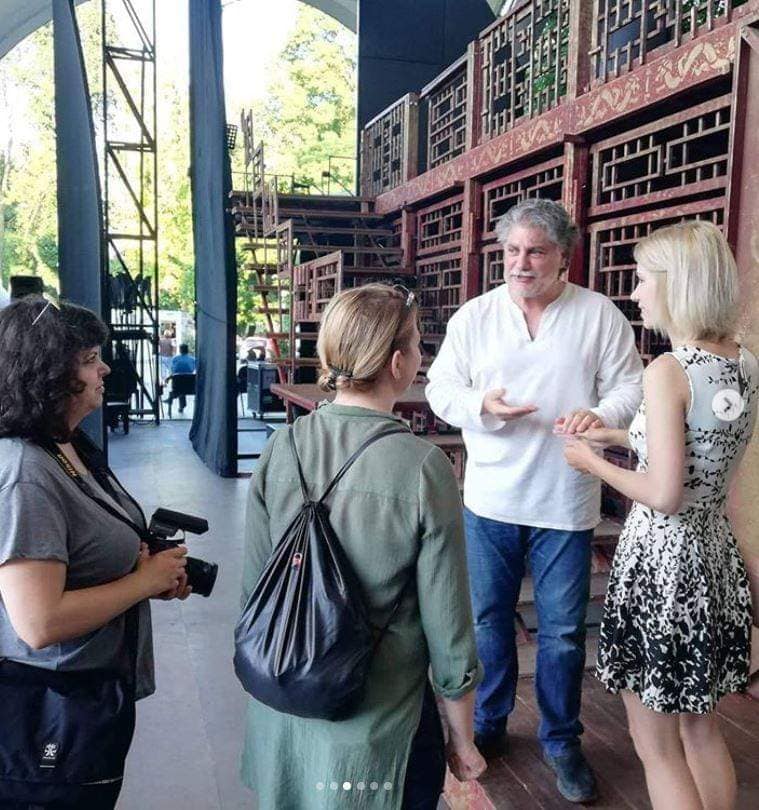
point(397, 514)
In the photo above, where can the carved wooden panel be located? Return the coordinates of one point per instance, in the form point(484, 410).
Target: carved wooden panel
point(524, 64)
point(492, 267)
point(612, 266)
point(627, 31)
point(314, 284)
point(545, 180)
point(682, 154)
point(447, 112)
point(390, 147)
point(439, 227)
point(439, 293)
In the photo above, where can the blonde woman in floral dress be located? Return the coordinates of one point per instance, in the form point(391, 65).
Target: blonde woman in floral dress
point(675, 636)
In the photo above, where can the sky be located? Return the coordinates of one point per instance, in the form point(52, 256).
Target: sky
point(253, 31)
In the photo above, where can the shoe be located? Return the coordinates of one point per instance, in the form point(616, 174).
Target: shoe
point(492, 745)
point(574, 778)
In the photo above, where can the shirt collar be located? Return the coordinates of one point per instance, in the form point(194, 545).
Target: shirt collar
point(332, 409)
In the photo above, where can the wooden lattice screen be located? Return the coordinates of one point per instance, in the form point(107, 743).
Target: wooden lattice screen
point(439, 292)
point(524, 59)
point(390, 146)
point(612, 266)
point(545, 180)
point(627, 31)
point(683, 154)
point(314, 284)
point(447, 111)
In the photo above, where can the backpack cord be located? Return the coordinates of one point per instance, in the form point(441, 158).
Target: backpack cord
point(380, 631)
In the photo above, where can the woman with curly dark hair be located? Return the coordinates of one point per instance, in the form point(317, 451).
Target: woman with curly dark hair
point(74, 575)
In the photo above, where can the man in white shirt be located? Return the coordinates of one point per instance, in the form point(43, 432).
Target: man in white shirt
point(520, 365)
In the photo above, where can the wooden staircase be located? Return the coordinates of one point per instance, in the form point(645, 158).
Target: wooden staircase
point(293, 241)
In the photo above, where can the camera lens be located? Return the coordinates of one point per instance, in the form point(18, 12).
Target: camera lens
point(201, 575)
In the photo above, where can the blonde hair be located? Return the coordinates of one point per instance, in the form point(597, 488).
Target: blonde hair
point(359, 331)
point(699, 292)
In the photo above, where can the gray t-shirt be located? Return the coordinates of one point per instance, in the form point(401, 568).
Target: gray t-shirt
point(45, 516)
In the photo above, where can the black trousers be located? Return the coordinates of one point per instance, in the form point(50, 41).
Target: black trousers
point(425, 771)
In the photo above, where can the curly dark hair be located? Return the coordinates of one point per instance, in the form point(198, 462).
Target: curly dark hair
point(39, 365)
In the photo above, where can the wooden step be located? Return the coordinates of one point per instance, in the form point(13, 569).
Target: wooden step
point(317, 213)
point(328, 230)
point(258, 246)
point(395, 270)
point(379, 251)
point(336, 199)
point(277, 335)
point(607, 529)
point(598, 584)
point(263, 288)
point(265, 269)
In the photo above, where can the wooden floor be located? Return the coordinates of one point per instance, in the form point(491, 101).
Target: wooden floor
point(522, 782)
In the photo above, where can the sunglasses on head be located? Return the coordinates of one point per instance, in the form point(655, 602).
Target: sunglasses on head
point(45, 309)
point(410, 297)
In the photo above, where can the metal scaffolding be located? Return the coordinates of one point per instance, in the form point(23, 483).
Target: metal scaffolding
point(130, 203)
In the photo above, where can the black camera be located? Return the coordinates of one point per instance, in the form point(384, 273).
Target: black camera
point(164, 524)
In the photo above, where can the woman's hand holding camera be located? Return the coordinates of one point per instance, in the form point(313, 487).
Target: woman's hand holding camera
point(163, 574)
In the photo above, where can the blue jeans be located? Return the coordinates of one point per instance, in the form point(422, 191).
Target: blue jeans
point(560, 567)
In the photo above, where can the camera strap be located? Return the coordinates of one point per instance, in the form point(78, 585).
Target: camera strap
point(57, 455)
point(131, 618)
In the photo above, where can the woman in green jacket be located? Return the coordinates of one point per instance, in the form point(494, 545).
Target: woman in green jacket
point(397, 513)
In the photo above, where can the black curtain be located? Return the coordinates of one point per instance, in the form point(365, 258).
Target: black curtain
point(80, 234)
point(214, 424)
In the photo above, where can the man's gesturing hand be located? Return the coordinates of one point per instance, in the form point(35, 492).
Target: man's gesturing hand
point(577, 422)
point(493, 403)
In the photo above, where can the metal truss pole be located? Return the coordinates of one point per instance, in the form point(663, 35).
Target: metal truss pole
point(130, 199)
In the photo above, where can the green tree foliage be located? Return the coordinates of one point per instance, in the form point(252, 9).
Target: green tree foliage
point(28, 208)
point(27, 163)
point(308, 115)
point(309, 112)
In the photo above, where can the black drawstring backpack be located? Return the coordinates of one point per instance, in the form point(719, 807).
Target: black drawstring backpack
point(304, 642)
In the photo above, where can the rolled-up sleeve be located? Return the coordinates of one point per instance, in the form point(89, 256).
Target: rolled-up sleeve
point(443, 583)
point(619, 382)
point(450, 391)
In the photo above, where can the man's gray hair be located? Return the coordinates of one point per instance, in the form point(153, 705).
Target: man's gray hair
point(548, 215)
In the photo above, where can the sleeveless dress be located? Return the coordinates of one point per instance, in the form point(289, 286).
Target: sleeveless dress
point(677, 617)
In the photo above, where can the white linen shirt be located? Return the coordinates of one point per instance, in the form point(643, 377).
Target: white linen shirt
point(583, 356)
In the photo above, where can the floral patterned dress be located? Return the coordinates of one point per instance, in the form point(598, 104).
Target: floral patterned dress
point(677, 618)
